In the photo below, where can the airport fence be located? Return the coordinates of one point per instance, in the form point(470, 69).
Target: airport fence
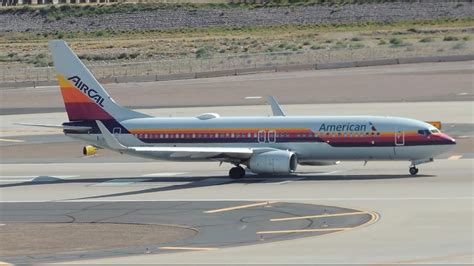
point(196, 67)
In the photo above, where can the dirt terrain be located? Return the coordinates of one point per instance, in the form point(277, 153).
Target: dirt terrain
point(236, 17)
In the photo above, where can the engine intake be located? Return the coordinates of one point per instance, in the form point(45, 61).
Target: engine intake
point(89, 150)
point(273, 162)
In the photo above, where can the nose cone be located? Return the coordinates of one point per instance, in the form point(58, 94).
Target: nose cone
point(446, 139)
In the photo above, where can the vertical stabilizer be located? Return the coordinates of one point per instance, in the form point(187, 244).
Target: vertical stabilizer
point(84, 98)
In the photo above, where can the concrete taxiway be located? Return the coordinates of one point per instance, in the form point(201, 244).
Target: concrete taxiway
point(423, 219)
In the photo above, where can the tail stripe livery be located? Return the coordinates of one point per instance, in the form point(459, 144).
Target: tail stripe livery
point(78, 105)
point(85, 99)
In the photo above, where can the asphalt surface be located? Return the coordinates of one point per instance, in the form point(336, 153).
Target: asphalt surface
point(216, 226)
point(422, 219)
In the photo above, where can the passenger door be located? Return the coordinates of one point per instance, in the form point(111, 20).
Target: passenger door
point(399, 137)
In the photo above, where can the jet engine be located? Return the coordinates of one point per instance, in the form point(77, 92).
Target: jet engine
point(273, 162)
point(89, 150)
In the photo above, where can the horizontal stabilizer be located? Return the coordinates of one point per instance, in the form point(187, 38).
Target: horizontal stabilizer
point(109, 138)
point(74, 128)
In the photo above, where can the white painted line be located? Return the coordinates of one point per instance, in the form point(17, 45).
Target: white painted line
point(253, 97)
point(162, 174)
point(41, 178)
point(248, 199)
point(188, 248)
point(2, 224)
point(12, 140)
point(287, 181)
point(121, 182)
point(324, 173)
point(463, 93)
point(19, 176)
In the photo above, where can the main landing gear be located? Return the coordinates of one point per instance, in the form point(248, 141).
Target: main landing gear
point(237, 172)
point(413, 170)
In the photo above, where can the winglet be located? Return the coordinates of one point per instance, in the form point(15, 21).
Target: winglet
point(276, 108)
point(109, 138)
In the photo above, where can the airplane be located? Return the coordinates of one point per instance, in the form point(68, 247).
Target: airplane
point(270, 145)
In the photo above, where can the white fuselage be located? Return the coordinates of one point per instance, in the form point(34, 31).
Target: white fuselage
point(314, 139)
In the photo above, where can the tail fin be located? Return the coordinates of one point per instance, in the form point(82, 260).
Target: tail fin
point(84, 98)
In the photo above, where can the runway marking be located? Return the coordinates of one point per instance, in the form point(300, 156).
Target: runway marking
point(2, 263)
point(188, 248)
point(41, 178)
point(12, 140)
point(303, 230)
point(317, 216)
point(241, 207)
point(421, 260)
point(324, 173)
point(121, 182)
point(375, 217)
point(455, 157)
point(247, 199)
point(288, 181)
point(253, 97)
point(162, 174)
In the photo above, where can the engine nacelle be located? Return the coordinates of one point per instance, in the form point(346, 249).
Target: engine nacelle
point(89, 150)
point(273, 162)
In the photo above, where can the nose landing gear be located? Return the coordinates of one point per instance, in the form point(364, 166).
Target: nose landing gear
point(414, 163)
point(413, 170)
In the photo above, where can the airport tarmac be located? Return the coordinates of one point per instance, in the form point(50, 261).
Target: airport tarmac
point(423, 219)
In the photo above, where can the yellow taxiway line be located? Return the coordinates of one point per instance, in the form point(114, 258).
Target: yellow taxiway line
point(241, 207)
point(303, 230)
point(374, 218)
point(188, 248)
point(12, 140)
point(316, 216)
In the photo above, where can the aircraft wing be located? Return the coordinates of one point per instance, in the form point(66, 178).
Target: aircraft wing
point(198, 152)
point(216, 153)
point(75, 128)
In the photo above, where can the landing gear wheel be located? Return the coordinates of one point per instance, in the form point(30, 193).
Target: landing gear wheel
point(413, 170)
point(237, 172)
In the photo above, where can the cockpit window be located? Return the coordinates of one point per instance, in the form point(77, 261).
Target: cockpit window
point(434, 131)
point(424, 132)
